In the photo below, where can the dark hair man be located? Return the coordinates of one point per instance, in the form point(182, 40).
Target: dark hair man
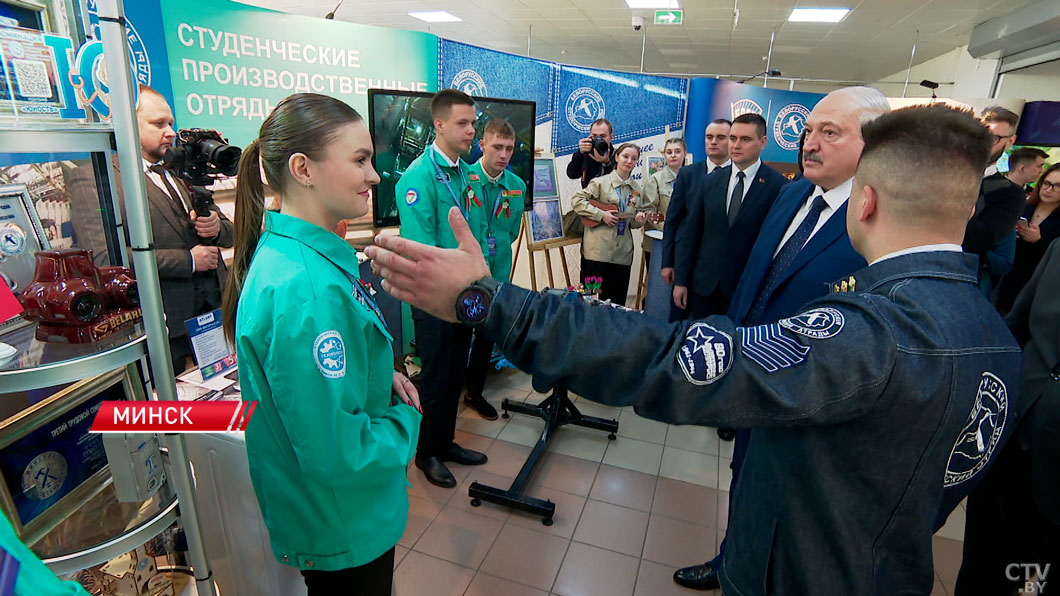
point(588, 163)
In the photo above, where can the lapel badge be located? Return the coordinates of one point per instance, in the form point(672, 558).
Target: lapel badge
point(843, 287)
point(852, 282)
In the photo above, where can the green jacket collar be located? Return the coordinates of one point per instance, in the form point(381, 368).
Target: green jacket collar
point(325, 242)
point(440, 158)
point(505, 181)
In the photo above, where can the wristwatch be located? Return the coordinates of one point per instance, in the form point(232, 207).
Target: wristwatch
point(473, 303)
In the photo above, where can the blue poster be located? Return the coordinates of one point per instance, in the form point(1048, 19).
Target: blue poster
point(637, 105)
point(485, 73)
point(785, 113)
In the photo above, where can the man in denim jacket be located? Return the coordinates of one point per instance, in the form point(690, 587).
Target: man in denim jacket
point(866, 407)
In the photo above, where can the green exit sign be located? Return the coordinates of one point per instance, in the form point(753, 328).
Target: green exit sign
point(669, 17)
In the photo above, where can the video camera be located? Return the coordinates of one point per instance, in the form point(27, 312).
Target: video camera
point(600, 145)
point(199, 156)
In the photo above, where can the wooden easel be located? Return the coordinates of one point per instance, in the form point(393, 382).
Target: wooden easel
point(546, 247)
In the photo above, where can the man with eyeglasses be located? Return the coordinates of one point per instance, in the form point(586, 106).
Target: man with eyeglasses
point(1000, 204)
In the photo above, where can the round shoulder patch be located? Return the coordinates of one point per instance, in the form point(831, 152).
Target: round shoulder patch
point(705, 355)
point(982, 432)
point(330, 355)
point(412, 197)
point(817, 323)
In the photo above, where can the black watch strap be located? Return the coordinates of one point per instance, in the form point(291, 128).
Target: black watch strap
point(473, 303)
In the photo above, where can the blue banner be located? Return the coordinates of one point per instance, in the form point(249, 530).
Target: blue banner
point(637, 105)
point(785, 113)
point(485, 73)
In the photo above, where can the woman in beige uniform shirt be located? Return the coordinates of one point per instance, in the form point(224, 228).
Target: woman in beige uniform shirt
point(659, 187)
point(607, 249)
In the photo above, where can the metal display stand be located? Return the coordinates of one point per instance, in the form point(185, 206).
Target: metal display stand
point(556, 410)
point(47, 365)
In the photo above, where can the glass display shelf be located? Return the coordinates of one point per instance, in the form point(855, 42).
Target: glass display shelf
point(103, 529)
point(44, 364)
point(55, 137)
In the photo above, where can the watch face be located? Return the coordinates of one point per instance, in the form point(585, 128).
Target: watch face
point(474, 304)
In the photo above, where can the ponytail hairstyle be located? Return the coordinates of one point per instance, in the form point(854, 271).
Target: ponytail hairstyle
point(302, 123)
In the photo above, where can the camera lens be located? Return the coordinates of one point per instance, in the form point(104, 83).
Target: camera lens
point(600, 145)
point(222, 155)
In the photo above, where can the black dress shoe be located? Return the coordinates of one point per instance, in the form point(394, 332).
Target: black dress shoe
point(480, 405)
point(698, 577)
point(467, 457)
point(435, 471)
point(727, 434)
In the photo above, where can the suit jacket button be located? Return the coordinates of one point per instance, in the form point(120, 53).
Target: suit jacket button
point(286, 559)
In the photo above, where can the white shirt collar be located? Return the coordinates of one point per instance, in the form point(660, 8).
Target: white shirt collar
point(990, 171)
point(835, 197)
point(492, 179)
point(445, 158)
point(147, 164)
point(917, 249)
point(749, 174)
point(711, 166)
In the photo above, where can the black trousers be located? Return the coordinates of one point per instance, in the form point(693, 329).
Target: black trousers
point(371, 579)
point(615, 285)
point(443, 350)
point(1004, 529)
point(701, 307)
point(478, 365)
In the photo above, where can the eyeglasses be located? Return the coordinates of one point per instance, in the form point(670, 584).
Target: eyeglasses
point(999, 138)
point(1050, 185)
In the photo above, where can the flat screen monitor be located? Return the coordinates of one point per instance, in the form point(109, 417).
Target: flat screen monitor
point(401, 127)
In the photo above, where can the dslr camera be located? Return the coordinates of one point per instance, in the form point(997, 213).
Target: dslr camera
point(199, 156)
point(600, 145)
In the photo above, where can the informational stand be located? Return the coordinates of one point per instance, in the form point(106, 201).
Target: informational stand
point(556, 410)
point(543, 223)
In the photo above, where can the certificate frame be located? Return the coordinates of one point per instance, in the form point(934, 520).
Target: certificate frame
point(22, 431)
point(21, 237)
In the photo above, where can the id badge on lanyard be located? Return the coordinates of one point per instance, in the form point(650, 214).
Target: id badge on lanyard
point(623, 203)
point(444, 179)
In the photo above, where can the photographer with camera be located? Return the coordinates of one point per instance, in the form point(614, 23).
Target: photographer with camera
point(595, 156)
point(187, 244)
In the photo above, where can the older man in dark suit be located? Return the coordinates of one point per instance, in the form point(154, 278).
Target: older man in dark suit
point(722, 224)
point(1012, 531)
point(187, 246)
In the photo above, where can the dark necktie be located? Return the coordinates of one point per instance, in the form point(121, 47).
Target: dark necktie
point(173, 194)
point(784, 259)
point(736, 198)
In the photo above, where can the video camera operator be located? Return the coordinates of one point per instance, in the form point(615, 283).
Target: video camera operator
point(187, 244)
point(593, 159)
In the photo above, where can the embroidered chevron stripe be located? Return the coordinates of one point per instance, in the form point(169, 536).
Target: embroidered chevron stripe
point(768, 347)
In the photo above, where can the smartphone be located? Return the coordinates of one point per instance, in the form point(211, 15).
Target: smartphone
point(1023, 222)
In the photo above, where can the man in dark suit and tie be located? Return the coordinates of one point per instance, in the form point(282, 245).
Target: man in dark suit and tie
point(187, 246)
point(722, 224)
point(803, 244)
point(1013, 516)
point(689, 187)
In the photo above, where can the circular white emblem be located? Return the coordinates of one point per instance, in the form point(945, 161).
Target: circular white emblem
point(788, 125)
point(411, 197)
point(470, 82)
point(584, 106)
point(17, 49)
point(12, 240)
point(979, 437)
point(44, 476)
point(138, 52)
point(705, 355)
point(818, 323)
point(330, 354)
point(745, 106)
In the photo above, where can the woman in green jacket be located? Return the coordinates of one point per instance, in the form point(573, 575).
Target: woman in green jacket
point(335, 426)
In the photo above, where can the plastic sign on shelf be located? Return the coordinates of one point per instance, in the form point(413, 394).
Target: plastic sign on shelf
point(212, 351)
point(669, 17)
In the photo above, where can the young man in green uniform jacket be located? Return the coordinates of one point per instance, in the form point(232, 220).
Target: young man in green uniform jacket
point(432, 184)
point(502, 193)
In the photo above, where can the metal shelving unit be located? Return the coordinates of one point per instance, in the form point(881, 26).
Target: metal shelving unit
point(111, 528)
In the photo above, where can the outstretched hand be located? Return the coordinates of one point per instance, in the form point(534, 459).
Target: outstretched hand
point(428, 277)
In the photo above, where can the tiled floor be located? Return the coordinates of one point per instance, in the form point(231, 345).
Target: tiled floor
point(628, 512)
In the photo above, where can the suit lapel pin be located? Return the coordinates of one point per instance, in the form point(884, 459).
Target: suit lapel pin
point(844, 287)
point(852, 282)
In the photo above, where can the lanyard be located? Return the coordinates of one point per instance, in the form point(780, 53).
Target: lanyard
point(623, 201)
point(444, 179)
point(363, 293)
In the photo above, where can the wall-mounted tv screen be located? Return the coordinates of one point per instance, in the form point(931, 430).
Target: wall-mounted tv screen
point(401, 126)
